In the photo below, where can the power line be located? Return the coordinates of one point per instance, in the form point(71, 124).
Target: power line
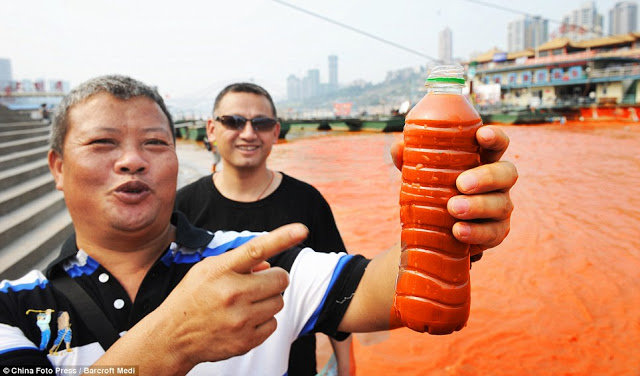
point(496, 6)
point(506, 9)
point(361, 32)
point(500, 7)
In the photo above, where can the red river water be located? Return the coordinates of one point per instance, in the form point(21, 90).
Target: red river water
point(560, 296)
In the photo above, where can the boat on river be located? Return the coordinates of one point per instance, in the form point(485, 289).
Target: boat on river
point(602, 113)
point(324, 124)
point(379, 124)
point(519, 117)
point(190, 129)
point(294, 125)
point(374, 124)
point(284, 129)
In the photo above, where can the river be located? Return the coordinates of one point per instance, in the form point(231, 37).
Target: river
point(560, 296)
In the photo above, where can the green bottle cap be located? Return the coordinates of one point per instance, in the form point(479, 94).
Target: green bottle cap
point(446, 74)
point(446, 80)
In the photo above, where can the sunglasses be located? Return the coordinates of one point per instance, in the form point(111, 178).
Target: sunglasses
point(236, 123)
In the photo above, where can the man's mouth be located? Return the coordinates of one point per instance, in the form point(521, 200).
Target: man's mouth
point(133, 187)
point(247, 147)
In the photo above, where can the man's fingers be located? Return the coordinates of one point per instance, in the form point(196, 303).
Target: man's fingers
point(256, 334)
point(249, 255)
point(263, 310)
point(396, 153)
point(487, 235)
point(262, 317)
point(493, 142)
point(495, 206)
point(498, 176)
point(261, 266)
point(267, 284)
point(263, 331)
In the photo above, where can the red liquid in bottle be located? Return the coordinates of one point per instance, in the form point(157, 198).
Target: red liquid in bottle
point(433, 287)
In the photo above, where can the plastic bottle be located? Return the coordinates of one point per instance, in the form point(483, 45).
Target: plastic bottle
point(433, 287)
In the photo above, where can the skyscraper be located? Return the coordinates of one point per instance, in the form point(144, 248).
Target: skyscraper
point(445, 46)
point(333, 73)
point(536, 32)
point(311, 84)
point(527, 32)
point(6, 76)
point(515, 35)
point(623, 18)
point(294, 88)
point(582, 23)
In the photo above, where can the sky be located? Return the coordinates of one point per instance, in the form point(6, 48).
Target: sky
point(192, 49)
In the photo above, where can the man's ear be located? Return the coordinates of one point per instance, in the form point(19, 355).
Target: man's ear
point(276, 133)
point(55, 166)
point(211, 124)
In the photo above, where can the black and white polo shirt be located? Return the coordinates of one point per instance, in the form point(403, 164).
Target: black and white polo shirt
point(38, 326)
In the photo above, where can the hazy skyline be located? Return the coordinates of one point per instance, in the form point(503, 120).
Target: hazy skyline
point(194, 48)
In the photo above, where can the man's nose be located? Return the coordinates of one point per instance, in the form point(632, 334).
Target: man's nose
point(132, 161)
point(247, 130)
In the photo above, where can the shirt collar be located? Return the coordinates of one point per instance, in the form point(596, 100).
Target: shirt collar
point(186, 235)
point(189, 235)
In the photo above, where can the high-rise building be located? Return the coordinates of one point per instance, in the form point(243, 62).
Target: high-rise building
point(527, 32)
point(6, 75)
point(537, 32)
point(515, 35)
point(311, 83)
point(582, 23)
point(445, 46)
point(309, 86)
point(294, 88)
point(623, 18)
point(333, 73)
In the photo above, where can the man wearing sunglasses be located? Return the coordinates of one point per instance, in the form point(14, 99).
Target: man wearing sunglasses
point(246, 195)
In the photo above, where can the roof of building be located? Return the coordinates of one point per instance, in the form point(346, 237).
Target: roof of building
point(631, 52)
point(554, 43)
point(487, 56)
point(611, 40)
point(526, 52)
point(564, 42)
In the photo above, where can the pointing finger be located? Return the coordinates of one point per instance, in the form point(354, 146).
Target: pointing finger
point(251, 254)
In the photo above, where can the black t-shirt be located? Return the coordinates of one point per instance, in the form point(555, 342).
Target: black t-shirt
point(293, 201)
